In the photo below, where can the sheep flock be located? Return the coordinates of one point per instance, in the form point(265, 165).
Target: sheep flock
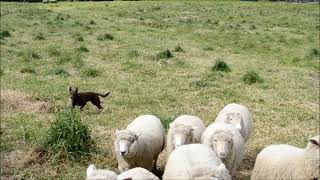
point(195, 151)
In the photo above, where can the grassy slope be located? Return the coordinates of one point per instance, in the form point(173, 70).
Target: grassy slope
point(275, 39)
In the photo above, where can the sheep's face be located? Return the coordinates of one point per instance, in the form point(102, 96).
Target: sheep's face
point(222, 143)
point(182, 135)
point(235, 119)
point(126, 143)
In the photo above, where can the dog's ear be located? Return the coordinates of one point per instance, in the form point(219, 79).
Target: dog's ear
point(76, 90)
point(70, 89)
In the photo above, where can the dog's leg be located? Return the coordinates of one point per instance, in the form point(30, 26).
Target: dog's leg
point(81, 107)
point(99, 106)
point(97, 102)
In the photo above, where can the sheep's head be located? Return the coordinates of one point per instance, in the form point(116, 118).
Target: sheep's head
point(126, 143)
point(222, 143)
point(312, 158)
point(236, 120)
point(181, 134)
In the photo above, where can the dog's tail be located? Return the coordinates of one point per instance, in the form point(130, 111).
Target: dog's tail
point(104, 95)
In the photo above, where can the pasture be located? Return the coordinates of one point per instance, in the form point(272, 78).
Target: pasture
point(156, 58)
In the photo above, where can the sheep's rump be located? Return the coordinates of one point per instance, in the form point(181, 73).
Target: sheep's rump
point(184, 158)
point(245, 114)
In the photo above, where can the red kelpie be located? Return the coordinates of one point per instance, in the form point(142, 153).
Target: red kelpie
point(81, 99)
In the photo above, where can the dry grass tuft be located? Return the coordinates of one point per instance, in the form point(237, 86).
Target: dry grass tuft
point(22, 102)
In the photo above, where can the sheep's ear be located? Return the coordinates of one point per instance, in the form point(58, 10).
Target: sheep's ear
point(315, 141)
point(117, 132)
point(70, 89)
point(76, 89)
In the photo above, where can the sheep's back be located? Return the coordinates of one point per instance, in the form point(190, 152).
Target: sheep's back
point(192, 121)
point(152, 131)
point(147, 125)
point(183, 158)
point(243, 111)
point(138, 173)
point(275, 161)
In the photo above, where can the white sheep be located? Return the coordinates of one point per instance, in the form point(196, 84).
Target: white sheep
point(185, 129)
point(195, 161)
point(239, 116)
point(100, 174)
point(133, 174)
point(137, 173)
point(227, 142)
point(288, 162)
point(140, 144)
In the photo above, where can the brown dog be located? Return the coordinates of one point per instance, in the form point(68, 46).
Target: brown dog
point(81, 99)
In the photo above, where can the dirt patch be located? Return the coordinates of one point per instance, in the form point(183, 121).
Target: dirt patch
point(9, 162)
point(22, 102)
point(37, 155)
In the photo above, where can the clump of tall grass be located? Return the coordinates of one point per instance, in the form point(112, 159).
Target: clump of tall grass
point(91, 72)
point(105, 36)
point(4, 34)
point(92, 22)
point(178, 48)
point(39, 36)
point(67, 137)
point(252, 77)
point(166, 54)
point(28, 70)
point(220, 65)
point(312, 53)
point(83, 49)
point(59, 72)
point(29, 54)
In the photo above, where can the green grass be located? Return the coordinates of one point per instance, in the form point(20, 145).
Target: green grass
point(91, 72)
point(252, 77)
point(157, 58)
point(178, 48)
point(83, 49)
point(105, 36)
point(4, 34)
point(166, 54)
point(59, 71)
point(29, 70)
point(67, 137)
point(220, 65)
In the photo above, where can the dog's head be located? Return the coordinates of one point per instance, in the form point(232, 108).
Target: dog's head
point(73, 93)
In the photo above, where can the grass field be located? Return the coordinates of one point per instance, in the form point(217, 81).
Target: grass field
point(122, 47)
